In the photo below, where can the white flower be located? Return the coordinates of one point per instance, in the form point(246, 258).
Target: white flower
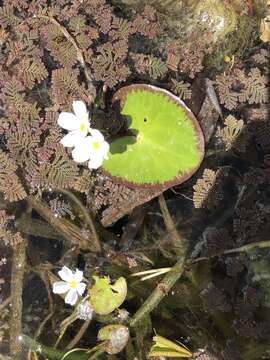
point(78, 125)
point(93, 148)
point(71, 285)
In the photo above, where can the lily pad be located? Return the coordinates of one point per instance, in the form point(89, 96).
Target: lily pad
point(106, 297)
point(166, 144)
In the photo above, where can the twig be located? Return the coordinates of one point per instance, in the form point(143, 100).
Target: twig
point(17, 273)
point(177, 240)
point(79, 335)
point(80, 56)
point(87, 217)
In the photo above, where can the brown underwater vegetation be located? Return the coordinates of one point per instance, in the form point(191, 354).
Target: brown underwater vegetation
point(54, 212)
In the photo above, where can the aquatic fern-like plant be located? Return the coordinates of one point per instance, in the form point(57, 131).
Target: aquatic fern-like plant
point(165, 146)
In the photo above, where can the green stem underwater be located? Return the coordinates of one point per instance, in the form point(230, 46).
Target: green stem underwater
point(160, 292)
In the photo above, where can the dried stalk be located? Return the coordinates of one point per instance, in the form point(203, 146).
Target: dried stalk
point(17, 273)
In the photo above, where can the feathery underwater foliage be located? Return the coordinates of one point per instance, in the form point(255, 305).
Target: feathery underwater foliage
point(50, 56)
point(53, 54)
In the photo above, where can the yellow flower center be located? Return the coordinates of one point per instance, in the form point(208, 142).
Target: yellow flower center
point(96, 145)
point(83, 127)
point(73, 284)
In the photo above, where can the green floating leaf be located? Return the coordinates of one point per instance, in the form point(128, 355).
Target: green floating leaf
point(167, 146)
point(165, 347)
point(105, 297)
point(116, 337)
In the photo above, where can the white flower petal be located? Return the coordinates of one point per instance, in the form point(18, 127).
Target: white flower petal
point(72, 138)
point(97, 135)
point(78, 276)
point(68, 121)
point(95, 162)
point(81, 288)
point(84, 132)
point(82, 150)
point(104, 149)
point(80, 110)
point(71, 297)
point(60, 287)
point(65, 274)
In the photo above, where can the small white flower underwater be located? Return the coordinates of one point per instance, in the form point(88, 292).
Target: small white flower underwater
point(71, 285)
point(91, 147)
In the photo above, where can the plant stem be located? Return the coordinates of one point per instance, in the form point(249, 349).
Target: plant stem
point(244, 248)
point(79, 335)
point(36, 227)
point(171, 278)
point(87, 217)
point(17, 273)
point(160, 292)
point(177, 240)
point(96, 354)
point(69, 231)
point(249, 247)
point(129, 350)
point(51, 353)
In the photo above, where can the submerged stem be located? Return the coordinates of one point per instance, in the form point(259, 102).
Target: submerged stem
point(177, 240)
point(68, 230)
point(171, 278)
point(160, 292)
point(79, 335)
point(87, 217)
point(51, 353)
point(17, 273)
point(245, 248)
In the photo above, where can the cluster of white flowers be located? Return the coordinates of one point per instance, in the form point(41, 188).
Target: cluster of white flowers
point(91, 147)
